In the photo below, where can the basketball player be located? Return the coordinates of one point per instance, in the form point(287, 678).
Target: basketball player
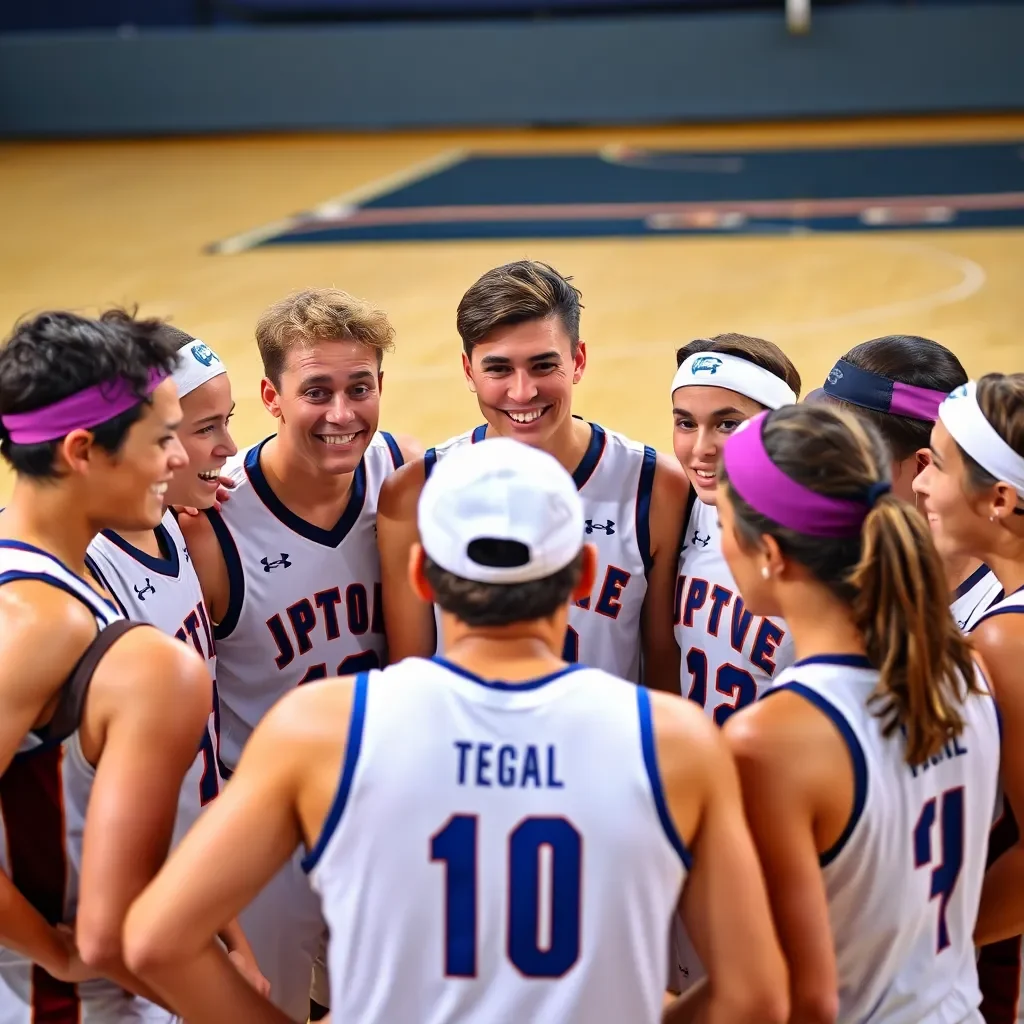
point(897, 383)
point(289, 566)
point(871, 768)
point(149, 573)
point(89, 717)
point(499, 764)
point(522, 356)
point(973, 491)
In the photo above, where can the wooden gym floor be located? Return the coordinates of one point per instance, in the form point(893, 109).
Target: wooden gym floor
point(88, 224)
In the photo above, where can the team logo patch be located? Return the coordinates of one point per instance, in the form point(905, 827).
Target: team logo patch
point(277, 563)
point(140, 593)
point(835, 375)
point(204, 354)
point(607, 528)
point(705, 364)
point(698, 539)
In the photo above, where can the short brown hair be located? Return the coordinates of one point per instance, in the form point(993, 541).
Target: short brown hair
point(514, 294)
point(765, 354)
point(319, 314)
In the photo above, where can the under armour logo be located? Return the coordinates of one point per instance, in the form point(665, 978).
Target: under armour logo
point(277, 563)
point(698, 539)
point(960, 392)
point(608, 528)
point(147, 589)
point(835, 375)
point(705, 364)
point(204, 354)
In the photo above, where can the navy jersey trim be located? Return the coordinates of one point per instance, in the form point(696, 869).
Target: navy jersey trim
point(348, 769)
point(396, 453)
point(479, 433)
point(859, 762)
point(429, 462)
point(591, 457)
point(91, 565)
point(993, 612)
point(328, 538)
point(19, 545)
point(236, 578)
point(498, 684)
point(644, 491)
point(169, 566)
point(842, 660)
point(976, 577)
point(643, 706)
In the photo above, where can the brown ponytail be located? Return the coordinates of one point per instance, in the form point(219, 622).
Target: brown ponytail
point(891, 575)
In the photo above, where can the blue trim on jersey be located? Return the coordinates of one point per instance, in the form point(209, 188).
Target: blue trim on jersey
point(591, 457)
point(429, 462)
point(396, 453)
point(329, 538)
point(643, 707)
point(348, 769)
point(643, 507)
point(843, 660)
point(976, 577)
point(479, 433)
point(993, 612)
point(20, 545)
point(169, 566)
point(236, 578)
point(496, 684)
point(17, 575)
point(91, 565)
point(859, 762)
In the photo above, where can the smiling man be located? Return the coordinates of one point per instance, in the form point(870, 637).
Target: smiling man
point(522, 356)
point(289, 566)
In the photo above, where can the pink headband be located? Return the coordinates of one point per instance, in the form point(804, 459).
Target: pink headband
point(766, 489)
point(80, 411)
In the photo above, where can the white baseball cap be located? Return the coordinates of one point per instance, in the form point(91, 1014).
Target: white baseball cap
point(501, 490)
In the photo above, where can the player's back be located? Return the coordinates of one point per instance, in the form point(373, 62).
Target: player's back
point(904, 880)
point(498, 852)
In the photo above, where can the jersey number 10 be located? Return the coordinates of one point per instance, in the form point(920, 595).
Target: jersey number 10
point(455, 845)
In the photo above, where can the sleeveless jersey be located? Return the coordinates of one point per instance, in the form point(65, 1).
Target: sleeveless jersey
point(904, 881)
point(614, 478)
point(728, 656)
point(538, 868)
point(165, 592)
point(43, 799)
point(979, 592)
point(305, 603)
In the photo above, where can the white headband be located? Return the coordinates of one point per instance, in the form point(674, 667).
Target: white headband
point(962, 417)
point(719, 370)
point(197, 363)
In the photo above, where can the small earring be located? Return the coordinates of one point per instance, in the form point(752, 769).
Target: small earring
point(765, 574)
point(991, 519)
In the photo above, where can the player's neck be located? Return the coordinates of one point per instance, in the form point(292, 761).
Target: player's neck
point(1009, 567)
point(569, 443)
point(512, 654)
point(959, 569)
point(819, 622)
point(49, 517)
point(302, 488)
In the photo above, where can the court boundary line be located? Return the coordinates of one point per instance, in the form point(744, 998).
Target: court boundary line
point(338, 205)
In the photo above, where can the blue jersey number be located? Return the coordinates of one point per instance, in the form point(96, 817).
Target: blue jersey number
point(455, 845)
point(951, 837)
point(354, 663)
point(732, 681)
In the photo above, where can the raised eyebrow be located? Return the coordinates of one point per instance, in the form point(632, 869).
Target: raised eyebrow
point(495, 361)
point(316, 379)
point(361, 375)
point(546, 357)
point(717, 414)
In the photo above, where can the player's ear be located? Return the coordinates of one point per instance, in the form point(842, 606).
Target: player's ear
point(588, 573)
point(417, 577)
point(467, 369)
point(775, 560)
point(271, 398)
point(924, 459)
point(579, 362)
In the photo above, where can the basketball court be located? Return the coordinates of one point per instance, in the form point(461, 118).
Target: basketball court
point(816, 236)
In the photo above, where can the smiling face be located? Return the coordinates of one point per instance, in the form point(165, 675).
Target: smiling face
point(205, 413)
point(328, 403)
point(523, 377)
point(703, 418)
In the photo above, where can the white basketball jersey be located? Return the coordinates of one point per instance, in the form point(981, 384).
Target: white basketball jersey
point(904, 880)
point(305, 602)
point(614, 478)
point(538, 866)
point(728, 656)
point(43, 799)
point(165, 592)
point(979, 592)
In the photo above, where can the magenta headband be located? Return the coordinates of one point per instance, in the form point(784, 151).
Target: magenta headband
point(80, 411)
point(766, 489)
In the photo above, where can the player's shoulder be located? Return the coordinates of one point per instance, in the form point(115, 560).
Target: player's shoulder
point(400, 492)
point(40, 616)
point(466, 437)
point(235, 467)
point(401, 448)
point(317, 713)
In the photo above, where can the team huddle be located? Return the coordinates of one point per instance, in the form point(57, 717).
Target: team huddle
point(593, 733)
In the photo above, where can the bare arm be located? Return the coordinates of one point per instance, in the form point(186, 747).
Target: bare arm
point(779, 793)
point(409, 446)
point(1000, 642)
point(148, 704)
point(724, 902)
point(279, 796)
point(208, 559)
point(668, 506)
point(408, 620)
point(44, 634)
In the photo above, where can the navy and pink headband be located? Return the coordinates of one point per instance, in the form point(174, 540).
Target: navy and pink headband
point(849, 383)
point(80, 411)
point(766, 489)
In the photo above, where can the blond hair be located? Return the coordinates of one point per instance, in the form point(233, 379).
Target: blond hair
point(319, 314)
